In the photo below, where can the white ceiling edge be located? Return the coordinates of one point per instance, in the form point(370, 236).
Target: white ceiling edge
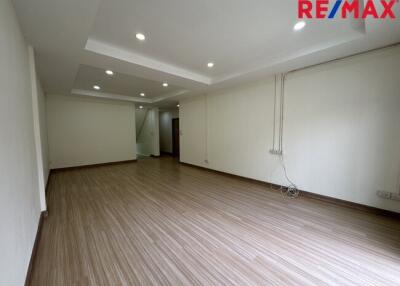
point(339, 52)
point(368, 40)
point(101, 48)
point(170, 95)
point(287, 60)
point(105, 62)
point(120, 97)
point(168, 109)
point(111, 96)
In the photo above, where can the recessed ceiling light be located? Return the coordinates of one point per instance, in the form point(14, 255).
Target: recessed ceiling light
point(165, 84)
point(140, 37)
point(109, 72)
point(299, 25)
point(96, 87)
point(210, 65)
point(141, 107)
point(177, 105)
point(142, 94)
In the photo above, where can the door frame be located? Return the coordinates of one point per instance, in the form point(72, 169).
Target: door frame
point(173, 138)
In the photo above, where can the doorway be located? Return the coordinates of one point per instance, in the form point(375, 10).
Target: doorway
point(175, 137)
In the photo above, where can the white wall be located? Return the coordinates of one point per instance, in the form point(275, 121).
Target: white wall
point(148, 142)
point(40, 129)
point(341, 129)
point(19, 192)
point(140, 115)
point(192, 123)
point(166, 117)
point(86, 131)
point(43, 131)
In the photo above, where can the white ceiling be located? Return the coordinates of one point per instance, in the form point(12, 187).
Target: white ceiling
point(235, 34)
point(76, 40)
point(121, 84)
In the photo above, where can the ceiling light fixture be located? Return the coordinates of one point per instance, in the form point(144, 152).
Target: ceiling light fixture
point(142, 94)
point(140, 37)
point(96, 87)
point(109, 72)
point(141, 107)
point(299, 25)
point(165, 84)
point(210, 64)
point(177, 105)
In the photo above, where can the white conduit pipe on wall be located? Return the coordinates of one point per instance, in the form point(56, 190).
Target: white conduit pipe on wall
point(206, 128)
point(291, 190)
point(274, 127)
point(398, 182)
point(282, 98)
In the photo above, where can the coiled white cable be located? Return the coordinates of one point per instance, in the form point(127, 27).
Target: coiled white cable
point(291, 190)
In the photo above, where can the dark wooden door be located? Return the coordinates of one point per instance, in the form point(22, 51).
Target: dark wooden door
point(175, 137)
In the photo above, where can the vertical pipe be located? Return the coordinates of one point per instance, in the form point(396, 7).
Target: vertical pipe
point(282, 112)
point(274, 127)
point(398, 182)
point(206, 128)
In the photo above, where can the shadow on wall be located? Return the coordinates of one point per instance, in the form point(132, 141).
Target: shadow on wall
point(147, 131)
point(166, 141)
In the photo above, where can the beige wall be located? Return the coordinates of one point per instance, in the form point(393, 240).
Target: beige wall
point(85, 131)
point(192, 123)
point(19, 185)
point(341, 129)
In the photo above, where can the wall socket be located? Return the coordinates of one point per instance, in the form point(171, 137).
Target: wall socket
point(395, 197)
point(388, 195)
point(275, 152)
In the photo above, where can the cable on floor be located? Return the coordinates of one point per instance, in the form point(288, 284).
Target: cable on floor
point(291, 190)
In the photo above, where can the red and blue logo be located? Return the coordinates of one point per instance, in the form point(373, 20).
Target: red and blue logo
point(320, 9)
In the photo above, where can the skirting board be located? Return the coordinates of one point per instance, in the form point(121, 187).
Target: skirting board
point(46, 190)
point(310, 195)
point(28, 278)
point(94, 165)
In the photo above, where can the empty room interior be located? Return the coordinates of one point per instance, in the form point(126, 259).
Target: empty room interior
point(183, 142)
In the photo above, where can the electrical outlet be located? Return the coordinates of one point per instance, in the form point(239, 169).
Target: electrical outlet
point(384, 195)
point(388, 195)
point(395, 197)
point(275, 152)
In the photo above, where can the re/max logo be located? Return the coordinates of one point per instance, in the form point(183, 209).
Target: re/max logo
point(320, 9)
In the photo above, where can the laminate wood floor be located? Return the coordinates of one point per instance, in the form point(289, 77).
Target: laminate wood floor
point(156, 222)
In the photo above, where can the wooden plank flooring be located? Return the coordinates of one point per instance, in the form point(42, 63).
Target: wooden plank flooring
point(156, 222)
